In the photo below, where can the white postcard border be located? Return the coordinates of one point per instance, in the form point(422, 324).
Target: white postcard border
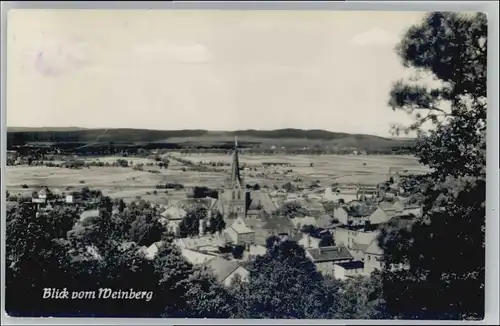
point(492, 206)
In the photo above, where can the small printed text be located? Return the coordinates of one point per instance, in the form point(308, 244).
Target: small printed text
point(102, 293)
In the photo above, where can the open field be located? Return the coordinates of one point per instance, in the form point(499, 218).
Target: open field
point(369, 169)
point(111, 159)
point(119, 182)
point(128, 183)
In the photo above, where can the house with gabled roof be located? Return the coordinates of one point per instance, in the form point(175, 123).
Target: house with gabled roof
point(240, 233)
point(373, 257)
point(263, 228)
point(207, 242)
point(195, 257)
point(353, 215)
point(341, 214)
point(343, 271)
point(398, 205)
point(42, 193)
point(173, 212)
point(325, 257)
point(388, 210)
point(344, 193)
point(368, 191)
point(225, 271)
point(305, 240)
point(314, 207)
point(401, 221)
point(354, 237)
point(151, 251)
point(381, 215)
point(358, 251)
point(277, 225)
point(326, 222)
point(191, 256)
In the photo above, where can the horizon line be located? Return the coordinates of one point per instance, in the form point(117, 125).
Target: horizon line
point(209, 130)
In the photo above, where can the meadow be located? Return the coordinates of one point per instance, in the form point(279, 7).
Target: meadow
point(127, 183)
point(366, 169)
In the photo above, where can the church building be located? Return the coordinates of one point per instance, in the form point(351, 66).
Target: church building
point(237, 201)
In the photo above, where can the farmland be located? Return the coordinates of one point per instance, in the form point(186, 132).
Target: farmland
point(128, 183)
point(366, 169)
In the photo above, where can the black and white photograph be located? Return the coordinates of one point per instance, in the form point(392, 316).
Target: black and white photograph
point(245, 164)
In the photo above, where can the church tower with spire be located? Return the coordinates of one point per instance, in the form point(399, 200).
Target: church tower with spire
point(235, 194)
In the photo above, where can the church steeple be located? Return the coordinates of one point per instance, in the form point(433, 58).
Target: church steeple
point(235, 171)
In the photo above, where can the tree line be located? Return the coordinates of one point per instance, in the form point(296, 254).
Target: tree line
point(444, 250)
point(53, 249)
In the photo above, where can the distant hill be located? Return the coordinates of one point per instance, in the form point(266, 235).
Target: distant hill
point(404, 138)
point(39, 129)
point(279, 137)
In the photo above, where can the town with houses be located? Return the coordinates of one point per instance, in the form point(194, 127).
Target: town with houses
point(337, 227)
point(124, 174)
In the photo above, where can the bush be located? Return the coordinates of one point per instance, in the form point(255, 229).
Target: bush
point(326, 240)
point(202, 192)
point(122, 163)
point(238, 251)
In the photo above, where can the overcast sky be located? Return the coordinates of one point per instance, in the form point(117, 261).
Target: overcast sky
point(218, 70)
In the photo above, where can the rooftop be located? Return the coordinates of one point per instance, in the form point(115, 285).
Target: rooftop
point(386, 205)
point(333, 253)
point(195, 257)
point(261, 200)
point(359, 210)
point(240, 227)
point(352, 265)
point(325, 221)
point(174, 213)
point(151, 251)
point(205, 241)
point(221, 267)
point(374, 248)
point(278, 224)
point(89, 214)
point(360, 247)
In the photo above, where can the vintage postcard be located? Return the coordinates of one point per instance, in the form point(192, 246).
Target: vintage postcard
point(246, 164)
